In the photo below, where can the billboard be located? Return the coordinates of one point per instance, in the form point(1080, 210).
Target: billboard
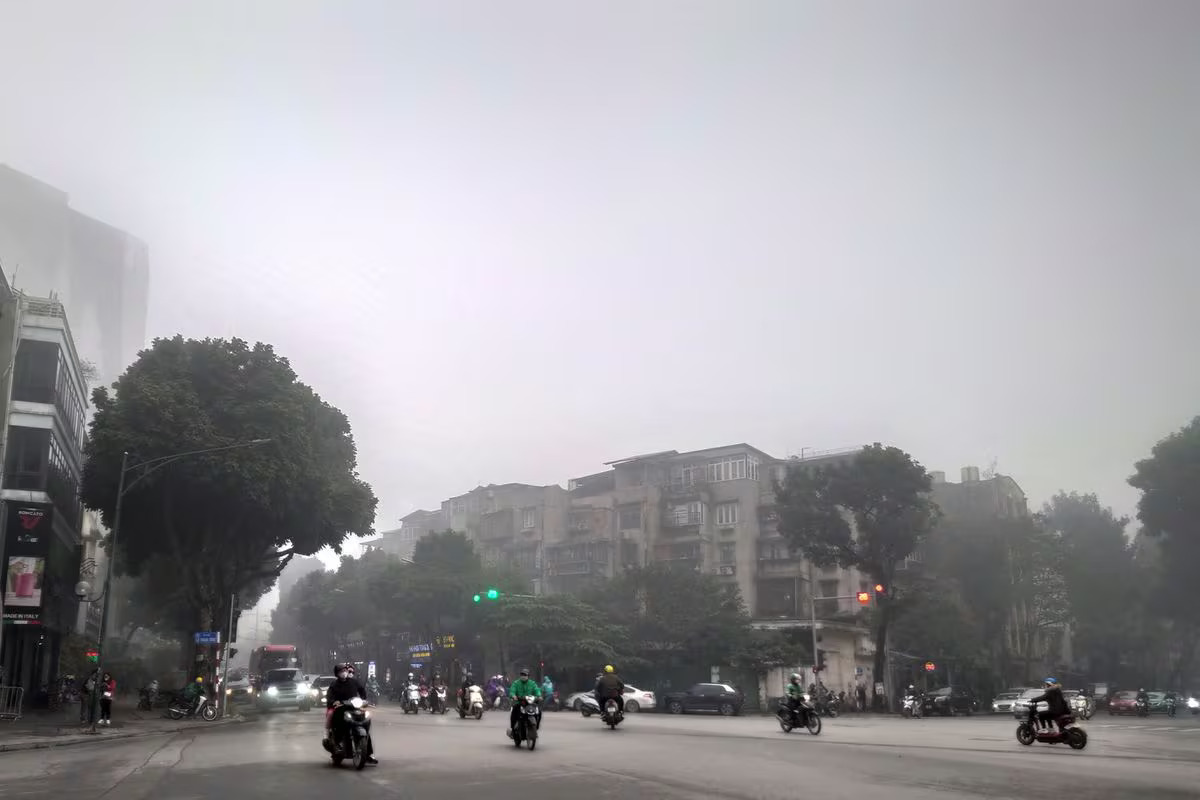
point(27, 532)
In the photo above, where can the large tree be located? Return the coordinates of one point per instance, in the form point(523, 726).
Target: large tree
point(870, 514)
point(1169, 510)
point(224, 522)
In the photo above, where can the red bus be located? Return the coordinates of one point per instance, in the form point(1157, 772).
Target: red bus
point(272, 656)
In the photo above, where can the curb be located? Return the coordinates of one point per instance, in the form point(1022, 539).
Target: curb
point(70, 740)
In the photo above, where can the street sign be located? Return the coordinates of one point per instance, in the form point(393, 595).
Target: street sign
point(208, 637)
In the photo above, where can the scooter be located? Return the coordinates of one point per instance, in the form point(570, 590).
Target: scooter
point(474, 704)
point(526, 729)
point(588, 705)
point(1066, 731)
point(180, 708)
point(613, 714)
point(351, 734)
point(412, 699)
point(913, 708)
point(437, 701)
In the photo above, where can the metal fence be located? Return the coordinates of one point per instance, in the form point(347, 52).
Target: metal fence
point(11, 698)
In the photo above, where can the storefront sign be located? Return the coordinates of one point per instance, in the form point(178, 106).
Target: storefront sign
point(27, 544)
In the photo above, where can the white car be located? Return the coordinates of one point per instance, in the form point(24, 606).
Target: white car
point(635, 700)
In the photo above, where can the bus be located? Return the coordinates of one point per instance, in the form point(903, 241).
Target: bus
point(271, 656)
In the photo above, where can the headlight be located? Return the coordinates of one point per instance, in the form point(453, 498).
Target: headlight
point(346, 716)
point(301, 688)
point(271, 690)
point(806, 697)
point(1193, 703)
point(250, 690)
point(356, 702)
point(229, 691)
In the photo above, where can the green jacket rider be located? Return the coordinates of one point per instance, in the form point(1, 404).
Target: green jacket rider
point(522, 687)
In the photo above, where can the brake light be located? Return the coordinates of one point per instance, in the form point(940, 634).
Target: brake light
point(647, 696)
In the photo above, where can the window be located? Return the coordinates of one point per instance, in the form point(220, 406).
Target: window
point(827, 608)
point(35, 371)
point(728, 552)
point(25, 462)
point(631, 518)
point(733, 469)
point(528, 518)
point(62, 482)
point(777, 598)
point(727, 514)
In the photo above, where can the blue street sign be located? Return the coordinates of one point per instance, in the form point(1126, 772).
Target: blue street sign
point(208, 637)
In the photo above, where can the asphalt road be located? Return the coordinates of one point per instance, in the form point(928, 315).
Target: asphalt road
point(651, 756)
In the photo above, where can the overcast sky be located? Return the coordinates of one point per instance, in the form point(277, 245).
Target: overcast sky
point(514, 240)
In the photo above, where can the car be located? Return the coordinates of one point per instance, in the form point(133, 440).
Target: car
point(284, 688)
point(1124, 702)
point(320, 685)
point(719, 697)
point(949, 701)
point(1003, 702)
point(635, 700)
point(240, 690)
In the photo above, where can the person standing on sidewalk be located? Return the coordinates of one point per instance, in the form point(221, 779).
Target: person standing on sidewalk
point(85, 696)
point(108, 687)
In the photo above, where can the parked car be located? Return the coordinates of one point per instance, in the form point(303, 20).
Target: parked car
point(1003, 702)
point(719, 697)
point(284, 688)
point(635, 700)
point(950, 700)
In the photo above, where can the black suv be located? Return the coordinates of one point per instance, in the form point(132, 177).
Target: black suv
point(719, 697)
point(949, 701)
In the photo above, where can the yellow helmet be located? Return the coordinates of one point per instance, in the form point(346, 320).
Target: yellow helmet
point(608, 668)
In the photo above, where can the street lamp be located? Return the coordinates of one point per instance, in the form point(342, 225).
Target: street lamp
point(147, 467)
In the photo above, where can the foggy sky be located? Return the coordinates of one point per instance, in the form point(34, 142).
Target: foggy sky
point(514, 240)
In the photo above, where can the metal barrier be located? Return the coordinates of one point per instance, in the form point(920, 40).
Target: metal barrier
point(11, 698)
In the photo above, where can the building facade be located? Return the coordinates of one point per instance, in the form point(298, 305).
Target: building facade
point(45, 401)
point(402, 542)
point(99, 273)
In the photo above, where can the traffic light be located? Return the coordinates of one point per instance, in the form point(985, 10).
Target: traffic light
point(92, 655)
point(930, 666)
point(492, 594)
point(476, 598)
point(879, 588)
point(864, 598)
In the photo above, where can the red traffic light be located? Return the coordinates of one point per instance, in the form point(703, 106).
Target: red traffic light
point(879, 588)
point(864, 598)
point(930, 666)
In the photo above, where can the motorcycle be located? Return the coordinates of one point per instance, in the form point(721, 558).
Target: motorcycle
point(526, 729)
point(473, 705)
point(612, 714)
point(425, 697)
point(1083, 707)
point(437, 701)
point(1171, 703)
point(1193, 705)
point(351, 733)
point(412, 700)
point(147, 699)
point(828, 707)
point(913, 708)
point(553, 703)
point(1066, 731)
point(808, 718)
point(588, 705)
point(179, 708)
point(1142, 708)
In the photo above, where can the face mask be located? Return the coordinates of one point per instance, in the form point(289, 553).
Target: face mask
point(343, 675)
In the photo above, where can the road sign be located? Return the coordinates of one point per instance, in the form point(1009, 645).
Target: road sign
point(208, 637)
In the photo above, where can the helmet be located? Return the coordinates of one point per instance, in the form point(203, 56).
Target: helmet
point(199, 679)
point(608, 668)
point(525, 673)
point(1049, 681)
point(795, 676)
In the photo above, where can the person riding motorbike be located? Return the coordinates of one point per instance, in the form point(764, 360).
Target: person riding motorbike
point(1057, 706)
point(522, 687)
point(610, 686)
point(795, 699)
point(343, 690)
point(1143, 698)
point(464, 694)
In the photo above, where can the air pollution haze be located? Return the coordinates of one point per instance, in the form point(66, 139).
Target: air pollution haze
point(514, 241)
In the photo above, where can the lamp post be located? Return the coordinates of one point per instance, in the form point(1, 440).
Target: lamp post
point(147, 467)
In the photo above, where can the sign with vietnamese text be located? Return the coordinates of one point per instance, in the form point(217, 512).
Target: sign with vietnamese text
point(424, 650)
point(445, 641)
point(27, 546)
point(208, 637)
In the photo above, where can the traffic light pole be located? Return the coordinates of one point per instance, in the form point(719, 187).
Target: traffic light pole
point(224, 695)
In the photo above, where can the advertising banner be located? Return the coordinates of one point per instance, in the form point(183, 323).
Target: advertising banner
point(27, 535)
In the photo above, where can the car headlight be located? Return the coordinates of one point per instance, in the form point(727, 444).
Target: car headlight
point(1193, 703)
point(250, 690)
point(301, 688)
point(271, 690)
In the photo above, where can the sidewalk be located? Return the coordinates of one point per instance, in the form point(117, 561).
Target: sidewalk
point(37, 730)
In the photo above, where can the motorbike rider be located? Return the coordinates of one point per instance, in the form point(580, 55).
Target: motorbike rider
point(521, 687)
point(1057, 706)
point(795, 699)
point(343, 690)
point(610, 686)
point(1143, 698)
point(464, 693)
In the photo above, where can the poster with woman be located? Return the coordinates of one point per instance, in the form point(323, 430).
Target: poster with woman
point(24, 585)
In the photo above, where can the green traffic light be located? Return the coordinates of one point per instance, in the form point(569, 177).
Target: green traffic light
point(475, 598)
point(492, 594)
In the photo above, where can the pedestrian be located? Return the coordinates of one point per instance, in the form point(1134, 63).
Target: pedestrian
point(108, 687)
point(85, 696)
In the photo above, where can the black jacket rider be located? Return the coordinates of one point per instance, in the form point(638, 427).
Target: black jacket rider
point(1053, 698)
point(344, 691)
point(608, 686)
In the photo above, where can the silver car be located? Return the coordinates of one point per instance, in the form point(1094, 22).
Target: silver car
point(1003, 702)
point(284, 688)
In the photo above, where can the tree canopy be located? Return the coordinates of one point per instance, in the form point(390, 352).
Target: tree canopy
point(226, 521)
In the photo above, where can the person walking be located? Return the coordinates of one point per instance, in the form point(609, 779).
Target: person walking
point(107, 688)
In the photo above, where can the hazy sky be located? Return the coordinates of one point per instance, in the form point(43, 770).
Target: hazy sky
point(514, 240)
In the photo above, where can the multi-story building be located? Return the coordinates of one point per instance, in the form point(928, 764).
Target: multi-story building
point(44, 401)
point(402, 541)
point(99, 273)
point(510, 523)
point(994, 496)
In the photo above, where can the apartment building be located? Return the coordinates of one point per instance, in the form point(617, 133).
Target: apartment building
point(402, 541)
point(510, 523)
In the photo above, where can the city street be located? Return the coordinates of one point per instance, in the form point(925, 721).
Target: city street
point(652, 755)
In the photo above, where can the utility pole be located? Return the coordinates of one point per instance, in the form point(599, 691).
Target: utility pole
point(224, 696)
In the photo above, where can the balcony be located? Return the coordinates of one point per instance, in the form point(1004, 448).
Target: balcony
point(725, 570)
point(680, 488)
point(683, 519)
point(572, 568)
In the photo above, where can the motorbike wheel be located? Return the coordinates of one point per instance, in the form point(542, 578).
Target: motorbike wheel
point(906, 712)
point(479, 713)
point(530, 736)
point(360, 753)
point(784, 724)
point(209, 713)
point(814, 724)
point(1025, 734)
point(1077, 738)
point(175, 713)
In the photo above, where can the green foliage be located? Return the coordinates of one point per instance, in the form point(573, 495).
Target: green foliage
point(560, 630)
point(223, 522)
